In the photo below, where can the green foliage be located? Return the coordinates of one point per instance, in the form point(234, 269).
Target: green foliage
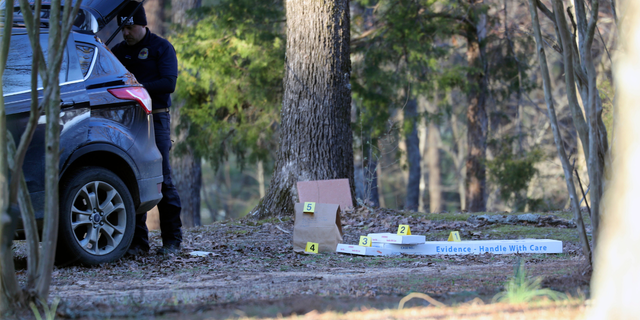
point(231, 71)
point(397, 48)
point(521, 289)
point(512, 173)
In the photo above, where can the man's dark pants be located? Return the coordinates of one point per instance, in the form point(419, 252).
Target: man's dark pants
point(169, 207)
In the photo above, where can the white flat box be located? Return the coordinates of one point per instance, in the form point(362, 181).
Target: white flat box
point(479, 247)
point(394, 238)
point(364, 251)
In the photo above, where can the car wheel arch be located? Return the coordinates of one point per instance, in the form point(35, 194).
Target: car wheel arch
point(109, 157)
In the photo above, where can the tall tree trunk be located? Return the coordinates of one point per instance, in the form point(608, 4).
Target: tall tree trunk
point(615, 280)
point(457, 153)
point(315, 134)
point(423, 204)
point(186, 166)
point(413, 155)
point(155, 15)
point(433, 156)
point(476, 114)
point(433, 160)
point(580, 71)
point(568, 175)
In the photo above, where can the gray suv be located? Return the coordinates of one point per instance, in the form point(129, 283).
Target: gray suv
point(110, 168)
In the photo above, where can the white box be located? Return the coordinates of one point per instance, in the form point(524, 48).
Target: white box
point(364, 251)
point(479, 247)
point(394, 238)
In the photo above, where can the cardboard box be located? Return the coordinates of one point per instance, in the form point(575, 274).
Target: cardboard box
point(478, 247)
point(394, 238)
point(335, 191)
point(364, 251)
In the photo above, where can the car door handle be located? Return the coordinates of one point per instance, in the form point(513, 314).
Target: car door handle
point(65, 104)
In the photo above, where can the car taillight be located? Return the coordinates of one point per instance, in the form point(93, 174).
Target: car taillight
point(138, 94)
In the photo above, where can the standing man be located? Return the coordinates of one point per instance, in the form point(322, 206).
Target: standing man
point(153, 61)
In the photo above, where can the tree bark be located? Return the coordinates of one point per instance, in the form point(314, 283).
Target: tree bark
point(580, 71)
point(546, 79)
point(315, 134)
point(615, 279)
point(433, 156)
point(155, 15)
point(186, 166)
point(476, 114)
point(9, 288)
point(179, 10)
point(433, 160)
point(413, 155)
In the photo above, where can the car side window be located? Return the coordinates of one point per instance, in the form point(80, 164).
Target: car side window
point(17, 75)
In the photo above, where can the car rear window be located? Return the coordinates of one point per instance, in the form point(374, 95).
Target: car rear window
point(17, 75)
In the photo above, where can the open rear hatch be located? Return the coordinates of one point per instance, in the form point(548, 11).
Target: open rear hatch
point(93, 16)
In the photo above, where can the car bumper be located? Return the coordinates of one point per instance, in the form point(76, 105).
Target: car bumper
point(150, 193)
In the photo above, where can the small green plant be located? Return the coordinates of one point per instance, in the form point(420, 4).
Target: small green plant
point(523, 289)
point(49, 312)
point(512, 172)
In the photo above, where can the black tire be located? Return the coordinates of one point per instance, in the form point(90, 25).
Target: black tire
point(98, 231)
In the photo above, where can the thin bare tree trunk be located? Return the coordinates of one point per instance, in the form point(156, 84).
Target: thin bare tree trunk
point(546, 79)
point(23, 199)
point(433, 160)
point(9, 288)
point(424, 175)
point(315, 134)
point(378, 182)
point(433, 156)
point(260, 176)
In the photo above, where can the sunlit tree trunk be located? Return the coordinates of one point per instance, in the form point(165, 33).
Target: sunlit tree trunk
point(615, 280)
point(566, 166)
point(179, 8)
point(315, 135)
point(432, 156)
point(476, 114)
point(155, 15)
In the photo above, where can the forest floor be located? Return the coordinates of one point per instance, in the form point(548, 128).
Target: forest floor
point(255, 273)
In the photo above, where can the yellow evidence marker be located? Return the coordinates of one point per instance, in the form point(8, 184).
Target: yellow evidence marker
point(312, 247)
point(365, 241)
point(309, 207)
point(404, 230)
point(454, 236)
